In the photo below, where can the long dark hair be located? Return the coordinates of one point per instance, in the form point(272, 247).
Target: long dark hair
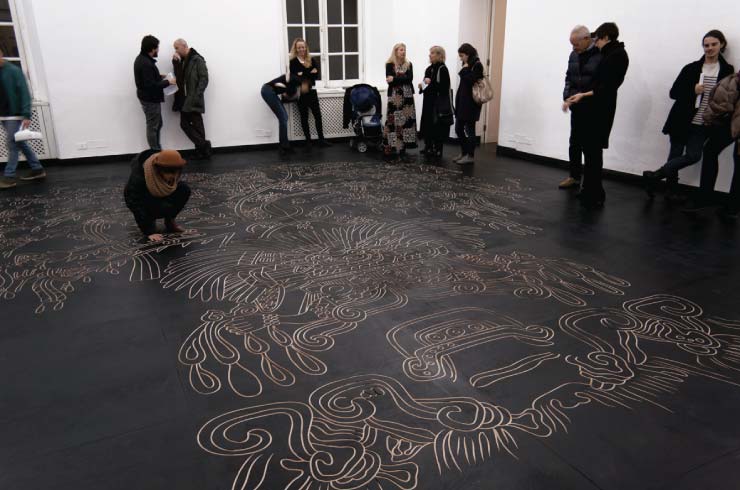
point(470, 51)
point(717, 34)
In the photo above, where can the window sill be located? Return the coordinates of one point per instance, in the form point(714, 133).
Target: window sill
point(340, 90)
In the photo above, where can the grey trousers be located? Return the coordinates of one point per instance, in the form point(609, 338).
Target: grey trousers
point(153, 114)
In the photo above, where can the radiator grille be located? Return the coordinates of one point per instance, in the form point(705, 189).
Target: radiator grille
point(40, 121)
point(332, 106)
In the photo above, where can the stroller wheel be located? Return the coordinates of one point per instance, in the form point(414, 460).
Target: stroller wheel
point(362, 147)
point(380, 145)
point(352, 142)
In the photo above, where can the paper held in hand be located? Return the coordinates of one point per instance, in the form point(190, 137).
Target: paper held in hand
point(172, 89)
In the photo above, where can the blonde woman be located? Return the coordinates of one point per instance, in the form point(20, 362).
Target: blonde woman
point(305, 71)
point(436, 114)
point(400, 126)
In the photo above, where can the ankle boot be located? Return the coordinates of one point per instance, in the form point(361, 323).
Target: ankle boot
point(651, 180)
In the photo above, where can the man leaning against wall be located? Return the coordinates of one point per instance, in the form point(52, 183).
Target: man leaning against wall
point(191, 73)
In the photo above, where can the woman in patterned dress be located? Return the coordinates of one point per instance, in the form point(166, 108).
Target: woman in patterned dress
point(400, 125)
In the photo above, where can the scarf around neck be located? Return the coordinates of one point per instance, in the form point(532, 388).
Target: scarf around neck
point(155, 184)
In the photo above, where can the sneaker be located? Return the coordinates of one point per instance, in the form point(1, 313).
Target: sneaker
point(466, 160)
point(458, 158)
point(35, 175)
point(7, 183)
point(569, 183)
point(324, 144)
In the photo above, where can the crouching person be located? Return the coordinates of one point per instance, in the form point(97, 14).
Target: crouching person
point(154, 191)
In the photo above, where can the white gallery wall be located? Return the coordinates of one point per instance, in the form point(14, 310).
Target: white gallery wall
point(661, 36)
point(85, 51)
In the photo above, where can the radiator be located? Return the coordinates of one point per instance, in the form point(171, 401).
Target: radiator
point(332, 106)
point(40, 121)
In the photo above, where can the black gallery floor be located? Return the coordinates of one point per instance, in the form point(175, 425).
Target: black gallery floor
point(335, 323)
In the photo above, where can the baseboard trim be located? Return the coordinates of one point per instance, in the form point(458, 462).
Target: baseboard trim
point(216, 151)
point(555, 162)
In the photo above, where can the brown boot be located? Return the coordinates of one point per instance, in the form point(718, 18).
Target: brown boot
point(7, 183)
point(173, 227)
point(39, 174)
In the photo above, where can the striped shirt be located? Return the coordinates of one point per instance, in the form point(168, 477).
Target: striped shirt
point(711, 73)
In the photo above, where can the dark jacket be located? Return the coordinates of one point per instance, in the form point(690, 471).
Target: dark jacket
point(607, 80)
point(432, 93)
point(192, 80)
point(303, 74)
point(17, 97)
point(579, 78)
point(137, 195)
point(399, 78)
point(149, 83)
point(466, 109)
point(347, 108)
point(684, 109)
point(290, 90)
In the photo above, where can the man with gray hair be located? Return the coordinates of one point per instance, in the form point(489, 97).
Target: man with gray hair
point(191, 73)
point(582, 65)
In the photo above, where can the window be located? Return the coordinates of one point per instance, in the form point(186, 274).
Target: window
point(9, 42)
point(332, 29)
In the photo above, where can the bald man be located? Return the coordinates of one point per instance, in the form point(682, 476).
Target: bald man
point(191, 73)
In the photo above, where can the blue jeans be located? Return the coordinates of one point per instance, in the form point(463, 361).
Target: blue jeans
point(693, 147)
point(12, 127)
point(277, 107)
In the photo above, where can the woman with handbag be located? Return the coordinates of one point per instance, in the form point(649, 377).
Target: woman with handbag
point(399, 133)
point(436, 114)
point(306, 71)
point(467, 110)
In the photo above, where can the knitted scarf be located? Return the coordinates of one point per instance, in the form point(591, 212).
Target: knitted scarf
point(155, 183)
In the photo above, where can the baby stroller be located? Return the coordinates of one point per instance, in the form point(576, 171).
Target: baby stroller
point(362, 109)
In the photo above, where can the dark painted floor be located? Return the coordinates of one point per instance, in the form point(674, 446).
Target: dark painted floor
point(336, 323)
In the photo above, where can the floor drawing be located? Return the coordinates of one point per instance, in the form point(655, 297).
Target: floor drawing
point(293, 263)
point(372, 432)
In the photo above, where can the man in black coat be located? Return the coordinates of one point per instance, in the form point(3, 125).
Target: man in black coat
point(608, 78)
point(582, 65)
point(150, 85)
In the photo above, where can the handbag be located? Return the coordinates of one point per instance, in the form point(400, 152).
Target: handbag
point(482, 90)
point(443, 107)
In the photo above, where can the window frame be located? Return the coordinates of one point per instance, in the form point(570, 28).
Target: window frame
point(325, 83)
point(21, 58)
